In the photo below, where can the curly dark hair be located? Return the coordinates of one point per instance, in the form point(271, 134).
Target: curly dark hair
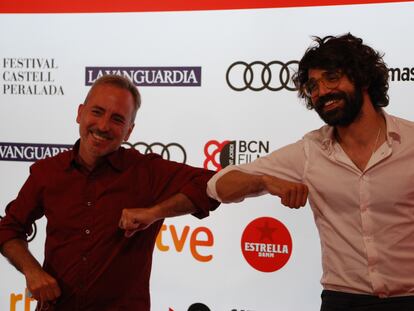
point(363, 66)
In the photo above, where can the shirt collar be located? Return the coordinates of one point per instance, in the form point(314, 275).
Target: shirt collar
point(114, 159)
point(328, 138)
point(393, 133)
point(393, 130)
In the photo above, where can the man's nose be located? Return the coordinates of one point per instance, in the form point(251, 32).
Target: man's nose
point(322, 89)
point(103, 124)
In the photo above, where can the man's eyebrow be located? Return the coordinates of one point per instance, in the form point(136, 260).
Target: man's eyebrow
point(119, 116)
point(97, 107)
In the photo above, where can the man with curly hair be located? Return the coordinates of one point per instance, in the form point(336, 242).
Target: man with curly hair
point(357, 172)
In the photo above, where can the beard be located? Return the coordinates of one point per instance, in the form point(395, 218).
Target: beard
point(340, 116)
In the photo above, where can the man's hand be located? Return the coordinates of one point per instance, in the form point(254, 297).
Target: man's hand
point(136, 219)
point(292, 194)
point(42, 286)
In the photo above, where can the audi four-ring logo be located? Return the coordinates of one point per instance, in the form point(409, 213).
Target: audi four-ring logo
point(171, 151)
point(258, 75)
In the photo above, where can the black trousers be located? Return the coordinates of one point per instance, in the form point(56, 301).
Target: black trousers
point(338, 301)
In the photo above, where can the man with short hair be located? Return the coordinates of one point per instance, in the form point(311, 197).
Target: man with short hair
point(95, 198)
point(359, 175)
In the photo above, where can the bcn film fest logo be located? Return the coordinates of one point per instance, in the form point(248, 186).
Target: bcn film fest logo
point(218, 155)
point(266, 244)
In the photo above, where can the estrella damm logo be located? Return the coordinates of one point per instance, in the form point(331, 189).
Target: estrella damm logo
point(266, 244)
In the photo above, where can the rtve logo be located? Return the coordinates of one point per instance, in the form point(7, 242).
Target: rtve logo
point(17, 299)
point(201, 238)
point(221, 154)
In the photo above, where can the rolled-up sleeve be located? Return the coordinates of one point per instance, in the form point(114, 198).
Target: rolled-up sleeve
point(288, 163)
point(169, 178)
point(22, 212)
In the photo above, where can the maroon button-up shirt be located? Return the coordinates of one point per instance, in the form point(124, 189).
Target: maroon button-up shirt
point(96, 267)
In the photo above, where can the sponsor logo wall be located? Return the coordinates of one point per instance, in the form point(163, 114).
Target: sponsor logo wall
point(216, 89)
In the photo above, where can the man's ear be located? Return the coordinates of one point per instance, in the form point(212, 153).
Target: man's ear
point(131, 127)
point(80, 109)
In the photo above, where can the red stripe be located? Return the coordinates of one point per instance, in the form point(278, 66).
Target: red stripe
point(104, 6)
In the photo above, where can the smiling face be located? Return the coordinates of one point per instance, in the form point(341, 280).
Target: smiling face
point(338, 106)
point(105, 121)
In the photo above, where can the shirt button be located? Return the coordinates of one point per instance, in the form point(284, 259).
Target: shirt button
point(87, 231)
point(89, 203)
point(84, 258)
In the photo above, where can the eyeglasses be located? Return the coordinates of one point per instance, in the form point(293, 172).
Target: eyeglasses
point(330, 80)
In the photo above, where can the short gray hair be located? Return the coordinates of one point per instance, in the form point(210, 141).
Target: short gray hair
point(123, 83)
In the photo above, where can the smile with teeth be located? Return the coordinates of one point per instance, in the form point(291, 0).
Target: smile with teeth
point(330, 102)
point(99, 137)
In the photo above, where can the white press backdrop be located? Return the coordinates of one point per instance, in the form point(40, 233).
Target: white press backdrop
point(191, 117)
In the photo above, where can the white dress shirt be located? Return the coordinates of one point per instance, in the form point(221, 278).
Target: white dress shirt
point(365, 218)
